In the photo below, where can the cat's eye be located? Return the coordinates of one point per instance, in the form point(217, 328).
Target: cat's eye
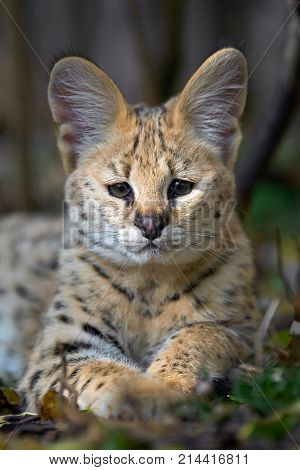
point(179, 188)
point(121, 190)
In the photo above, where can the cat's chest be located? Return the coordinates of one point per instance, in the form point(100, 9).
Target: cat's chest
point(125, 298)
point(141, 319)
point(140, 314)
point(144, 334)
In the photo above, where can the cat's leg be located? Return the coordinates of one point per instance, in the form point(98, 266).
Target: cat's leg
point(117, 391)
point(110, 388)
point(177, 370)
point(91, 371)
point(194, 350)
point(98, 374)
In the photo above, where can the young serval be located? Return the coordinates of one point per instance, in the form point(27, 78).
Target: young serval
point(155, 280)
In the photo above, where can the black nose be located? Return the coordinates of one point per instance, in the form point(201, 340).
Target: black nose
point(151, 226)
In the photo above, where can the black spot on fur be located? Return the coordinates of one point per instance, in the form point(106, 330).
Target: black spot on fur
point(63, 348)
point(108, 323)
point(96, 268)
point(86, 383)
point(197, 301)
point(175, 297)
point(135, 143)
point(230, 291)
point(65, 319)
point(204, 274)
point(22, 291)
point(36, 376)
point(122, 290)
point(24, 401)
point(100, 271)
point(84, 307)
point(162, 140)
point(53, 370)
point(147, 313)
point(92, 330)
point(58, 305)
point(53, 264)
point(74, 373)
point(75, 360)
point(115, 343)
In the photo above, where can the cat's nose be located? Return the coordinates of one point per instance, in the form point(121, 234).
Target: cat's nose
point(151, 226)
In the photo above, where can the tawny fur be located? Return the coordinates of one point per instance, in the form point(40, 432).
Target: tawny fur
point(138, 325)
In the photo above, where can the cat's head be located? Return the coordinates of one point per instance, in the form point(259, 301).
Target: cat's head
point(149, 184)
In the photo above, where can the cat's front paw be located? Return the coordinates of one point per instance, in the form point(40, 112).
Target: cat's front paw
point(138, 399)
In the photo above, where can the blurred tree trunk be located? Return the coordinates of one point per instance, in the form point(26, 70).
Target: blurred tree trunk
point(230, 22)
point(170, 68)
point(269, 131)
point(84, 18)
point(159, 81)
point(173, 57)
point(143, 51)
point(20, 111)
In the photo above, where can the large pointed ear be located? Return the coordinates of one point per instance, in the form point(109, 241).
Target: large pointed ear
point(86, 106)
point(212, 102)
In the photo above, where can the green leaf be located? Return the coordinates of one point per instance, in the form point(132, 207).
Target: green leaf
point(281, 338)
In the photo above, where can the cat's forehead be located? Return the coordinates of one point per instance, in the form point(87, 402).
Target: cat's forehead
point(151, 135)
point(145, 149)
point(151, 151)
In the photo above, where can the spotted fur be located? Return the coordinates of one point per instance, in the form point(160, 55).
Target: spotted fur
point(135, 323)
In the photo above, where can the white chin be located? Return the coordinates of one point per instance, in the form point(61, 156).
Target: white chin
point(165, 257)
point(127, 256)
point(146, 254)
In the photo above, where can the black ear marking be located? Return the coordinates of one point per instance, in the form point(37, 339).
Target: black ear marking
point(69, 52)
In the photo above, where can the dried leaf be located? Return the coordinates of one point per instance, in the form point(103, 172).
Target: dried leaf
point(50, 408)
point(9, 401)
point(12, 397)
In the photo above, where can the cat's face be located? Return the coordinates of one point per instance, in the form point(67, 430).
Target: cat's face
point(149, 185)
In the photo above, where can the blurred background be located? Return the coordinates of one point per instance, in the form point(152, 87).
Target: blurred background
point(150, 48)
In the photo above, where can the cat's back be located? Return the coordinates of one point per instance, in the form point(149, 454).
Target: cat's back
point(29, 246)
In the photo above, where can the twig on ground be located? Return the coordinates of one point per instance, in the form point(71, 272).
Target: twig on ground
point(64, 386)
point(262, 331)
